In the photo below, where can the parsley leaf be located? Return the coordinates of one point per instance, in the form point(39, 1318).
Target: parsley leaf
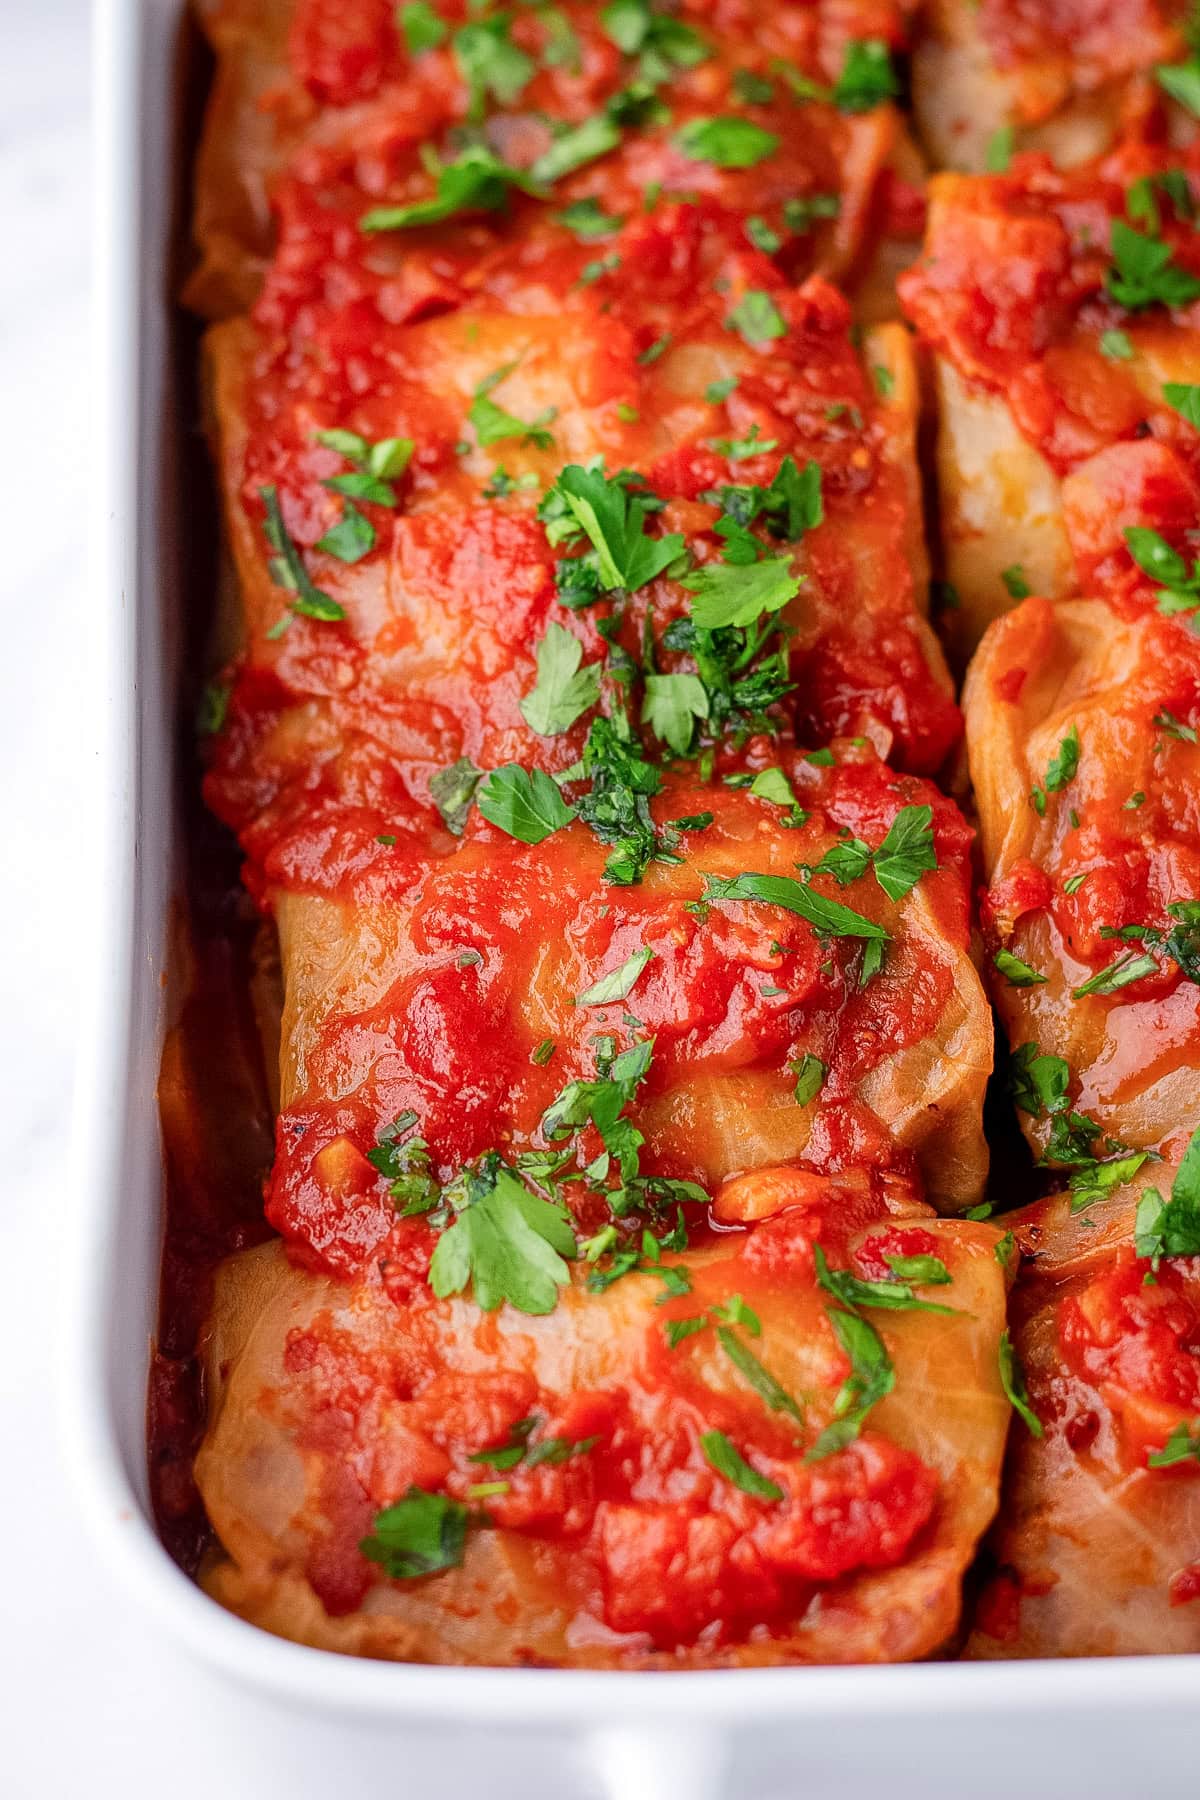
point(906, 852)
point(739, 594)
point(670, 706)
point(1155, 558)
point(890, 1296)
point(579, 144)
point(1182, 1443)
point(476, 181)
point(871, 1379)
point(492, 424)
point(810, 1074)
point(999, 152)
point(721, 1454)
point(929, 1271)
point(730, 142)
point(1144, 271)
point(490, 64)
point(588, 219)
point(1017, 973)
point(422, 27)
point(452, 790)
point(618, 983)
point(829, 917)
point(525, 803)
point(564, 691)
point(1185, 398)
point(1172, 1227)
point(351, 538)
point(1062, 768)
point(288, 569)
point(418, 1535)
point(759, 1377)
point(1129, 967)
point(757, 318)
point(1012, 1380)
point(1015, 582)
point(614, 520)
point(507, 1242)
point(867, 78)
point(1182, 82)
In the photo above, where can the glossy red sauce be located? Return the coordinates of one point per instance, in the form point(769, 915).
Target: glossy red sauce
point(1138, 1345)
point(1012, 291)
point(663, 1547)
point(1101, 38)
point(334, 731)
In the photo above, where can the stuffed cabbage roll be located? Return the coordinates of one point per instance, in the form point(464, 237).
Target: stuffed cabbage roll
point(576, 105)
point(1064, 77)
point(772, 1448)
point(1082, 728)
point(1097, 1552)
point(1065, 378)
point(789, 982)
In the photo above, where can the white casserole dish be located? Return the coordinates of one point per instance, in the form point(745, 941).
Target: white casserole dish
point(1101, 1729)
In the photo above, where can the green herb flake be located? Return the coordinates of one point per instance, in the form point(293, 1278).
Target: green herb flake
point(618, 983)
point(1015, 971)
point(524, 803)
point(1012, 1379)
point(730, 142)
point(721, 1455)
point(418, 1535)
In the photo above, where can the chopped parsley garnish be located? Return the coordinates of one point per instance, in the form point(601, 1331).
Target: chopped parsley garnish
point(1116, 346)
point(762, 235)
point(492, 424)
point(1185, 398)
point(614, 519)
point(756, 318)
point(999, 152)
point(1184, 1442)
point(506, 1242)
point(661, 42)
point(213, 708)
point(730, 142)
point(737, 594)
point(520, 1452)
point(418, 1535)
point(928, 1271)
point(671, 705)
point(476, 181)
point(867, 78)
point(452, 790)
point(523, 802)
point(588, 219)
point(1016, 972)
point(717, 391)
point(801, 214)
point(757, 1374)
point(1145, 273)
point(404, 1159)
point(898, 864)
point(1015, 582)
point(492, 66)
point(1131, 966)
point(576, 146)
point(1175, 728)
point(1012, 1379)
point(871, 1379)
point(722, 1455)
point(351, 538)
point(1182, 82)
point(1165, 566)
point(564, 691)
point(1040, 1082)
point(828, 917)
point(1172, 1227)
point(890, 1296)
point(773, 785)
point(810, 1074)
point(1061, 770)
point(422, 27)
point(618, 983)
point(287, 566)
